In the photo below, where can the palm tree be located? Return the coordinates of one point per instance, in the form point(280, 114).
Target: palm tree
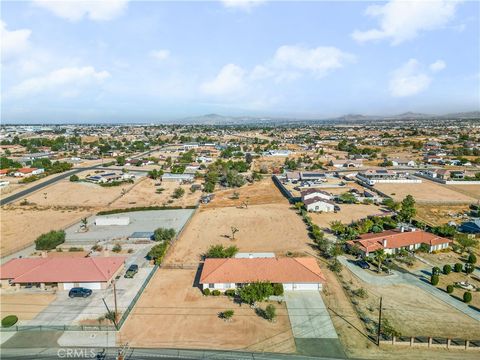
point(380, 256)
point(84, 223)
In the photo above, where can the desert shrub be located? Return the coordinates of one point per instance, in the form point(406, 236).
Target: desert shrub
point(216, 292)
point(447, 269)
point(270, 312)
point(206, 291)
point(434, 280)
point(361, 293)
point(75, 249)
point(50, 240)
point(336, 266)
point(9, 320)
point(472, 259)
point(158, 252)
point(178, 193)
point(277, 289)
point(163, 234)
point(469, 268)
point(458, 267)
point(467, 296)
point(117, 248)
point(449, 289)
point(97, 247)
point(436, 270)
point(74, 178)
point(219, 251)
point(230, 292)
point(227, 314)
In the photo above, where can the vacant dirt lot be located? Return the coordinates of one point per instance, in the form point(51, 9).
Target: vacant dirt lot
point(25, 306)
point(262, 228)
point(427, 191)
point(469, 190)
point(437, 214)
point(174, 313)
point(20, 226)
point(261, 192)
point(144, 194)
point(347, 214)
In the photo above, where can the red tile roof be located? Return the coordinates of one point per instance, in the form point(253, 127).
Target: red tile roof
point(397, 239)
point(275, 270)
point(26, 170)
point(61, 269)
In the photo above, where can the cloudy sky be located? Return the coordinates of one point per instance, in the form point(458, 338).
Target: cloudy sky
point(119, 60)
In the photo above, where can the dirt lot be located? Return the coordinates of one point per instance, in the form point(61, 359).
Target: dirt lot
point(173, 313)
point(427, 191)
point(262, 228)
point(437, 214)
point(144, 194)
point(261, 192)
point(347, 214)
point(20, 226)
point(25, 306)
point(469, 190)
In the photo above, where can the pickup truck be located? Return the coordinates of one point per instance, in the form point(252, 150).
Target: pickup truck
point(131, 271)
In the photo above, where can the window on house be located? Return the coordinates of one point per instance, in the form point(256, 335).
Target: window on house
point(211, 286)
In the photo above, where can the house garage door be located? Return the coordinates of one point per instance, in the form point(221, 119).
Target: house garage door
point(305, 286)
point(67, 286)
point(93, 286)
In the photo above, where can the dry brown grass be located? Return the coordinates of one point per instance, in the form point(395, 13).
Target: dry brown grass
point(24, 306)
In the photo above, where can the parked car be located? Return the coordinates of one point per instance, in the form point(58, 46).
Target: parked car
point(131, 271)
point(363, 264)
point(79, 292)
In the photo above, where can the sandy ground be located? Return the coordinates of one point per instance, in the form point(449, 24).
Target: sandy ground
point(262, 228)
point(260, 192)
point(469, 190)
point(25, 306)
point(427, 191)
point(144, 194)
point(347, 214)
point(434, 214)
point(173, 313)
point(20, 226)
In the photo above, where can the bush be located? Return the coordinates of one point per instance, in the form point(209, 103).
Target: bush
point(230, 292)
point(9, 320)
point(467, 296)
point(277, 289)
point(219, 251)
point(436, 270)
point(434, 280)
point(75, 249)
point(178, 193)
point(472, 259)
point(158, 252)
point(74, 178)
point(162, 234)
point(206, 291)
point(361, 293)
point(270, 312)
point(458, 267)
point(216, 292)
point(227, 314)
point(117, 248)
point(257, 291)
point(50, 240)
point(447, 269)
point(449, 289)
point(469, 268)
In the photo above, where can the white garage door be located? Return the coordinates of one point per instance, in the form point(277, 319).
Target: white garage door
point(67, 286)
point(92, 286)
point(305, 286)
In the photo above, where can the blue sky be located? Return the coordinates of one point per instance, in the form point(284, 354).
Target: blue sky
point(120, 60)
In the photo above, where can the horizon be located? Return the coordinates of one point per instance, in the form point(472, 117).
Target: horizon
point(143, 62)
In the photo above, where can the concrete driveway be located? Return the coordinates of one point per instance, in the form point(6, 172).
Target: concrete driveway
point(311, 325)
point(308, 315)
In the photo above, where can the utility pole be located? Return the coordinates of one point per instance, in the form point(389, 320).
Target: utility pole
point(379, 322)
point(108, 310)
point(115, 299)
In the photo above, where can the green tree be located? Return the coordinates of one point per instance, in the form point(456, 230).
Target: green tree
point(178, 193)
point(50, 240)
point(467, 297)
point(434, 279)
point(120, 160)
point(407, 210)
point(74, 178)
point(380, 257)
point(254, 292)
point(164, 234)
point(219, 251)
point(270, 312)
point(466, 242)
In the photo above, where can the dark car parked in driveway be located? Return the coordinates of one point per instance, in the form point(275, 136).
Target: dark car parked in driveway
point(363, 264)
point(131, 271)
point(79, 292)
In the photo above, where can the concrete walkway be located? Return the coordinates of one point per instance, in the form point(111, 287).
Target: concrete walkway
point(420, 279)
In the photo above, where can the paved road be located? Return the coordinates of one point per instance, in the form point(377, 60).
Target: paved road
point(420, 280)
point(23, 193)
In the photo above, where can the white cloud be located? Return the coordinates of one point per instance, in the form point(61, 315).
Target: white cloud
point(13, 42)
point(288, 63)
point(404, 20)
point(245, 5)
point(75, 10)
point(65, 80)
point(409, 80)
point(438, 66)
point(230, 79)
point(161, 55)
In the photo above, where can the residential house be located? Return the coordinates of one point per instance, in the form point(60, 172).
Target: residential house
point(346, 163)
point(392, 241)
point(25, 172)
point(318, 204)
point(293, 273)
point(401, 162)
